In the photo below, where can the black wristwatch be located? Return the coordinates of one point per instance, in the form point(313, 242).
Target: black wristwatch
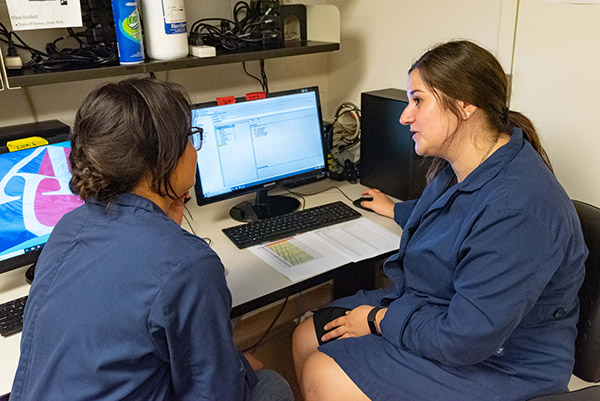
point(371, 320)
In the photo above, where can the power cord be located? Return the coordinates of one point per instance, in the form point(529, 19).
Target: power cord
point(239, 33)
point(59, 59)
point(187, 220)
point(260, 340)
point(301, 195)
point(345, 139)
point(264, 84)
point(263, 74)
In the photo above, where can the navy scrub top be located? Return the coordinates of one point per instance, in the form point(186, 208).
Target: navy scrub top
point(484, 299)
point(127, 305)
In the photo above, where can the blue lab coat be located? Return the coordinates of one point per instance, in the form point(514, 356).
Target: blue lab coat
point(484, 299)
point(126, 305)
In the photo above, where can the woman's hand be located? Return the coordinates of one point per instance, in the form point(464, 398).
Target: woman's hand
point(381, 203)
point(353, 324)
point(175, 211)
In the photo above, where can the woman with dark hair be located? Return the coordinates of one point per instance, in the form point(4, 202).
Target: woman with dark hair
point(126, 304)
point(483, 298)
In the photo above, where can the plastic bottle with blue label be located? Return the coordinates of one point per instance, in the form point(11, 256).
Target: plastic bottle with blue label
point(129, 31)
point(165, 29)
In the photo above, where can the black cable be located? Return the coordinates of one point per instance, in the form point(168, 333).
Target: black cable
point(269, 328)
point(263, 74)
point(230, 34)
point(250, 75)
point(208, 240)
point(58, 59)
point(187, 220)
point(318, 192)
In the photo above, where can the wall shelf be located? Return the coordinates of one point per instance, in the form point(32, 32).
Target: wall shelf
point(31, 78)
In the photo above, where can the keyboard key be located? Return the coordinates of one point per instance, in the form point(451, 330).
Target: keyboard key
point(11, 316)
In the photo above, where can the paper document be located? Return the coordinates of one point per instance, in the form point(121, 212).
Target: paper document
point(318, 251)
point(39, 14)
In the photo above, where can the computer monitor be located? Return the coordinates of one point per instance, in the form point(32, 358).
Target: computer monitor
point(254, 146)
point(34, 195)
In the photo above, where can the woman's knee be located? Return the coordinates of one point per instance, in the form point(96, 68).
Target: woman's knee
point(324, 379)
point(304, 339)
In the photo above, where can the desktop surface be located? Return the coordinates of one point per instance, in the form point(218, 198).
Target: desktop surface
point(252, 282)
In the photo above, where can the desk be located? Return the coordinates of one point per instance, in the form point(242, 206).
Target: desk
point(252, 282)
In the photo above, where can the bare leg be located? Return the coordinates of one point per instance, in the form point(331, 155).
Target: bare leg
point(304, 344)
point(323, 379)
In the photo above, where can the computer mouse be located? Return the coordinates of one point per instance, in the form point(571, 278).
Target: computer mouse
point(361, 199)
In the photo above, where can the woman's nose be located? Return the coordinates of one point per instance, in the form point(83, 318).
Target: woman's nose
point(406, 117)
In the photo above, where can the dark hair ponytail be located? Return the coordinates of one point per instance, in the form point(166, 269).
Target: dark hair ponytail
point(518, 120)
point(462, 70)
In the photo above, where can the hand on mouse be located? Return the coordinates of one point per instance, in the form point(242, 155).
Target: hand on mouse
point(381, 203)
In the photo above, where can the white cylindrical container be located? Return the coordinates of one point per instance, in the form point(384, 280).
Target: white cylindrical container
point(165, 29)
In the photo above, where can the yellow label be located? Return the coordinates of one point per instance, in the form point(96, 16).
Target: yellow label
point(26, 143)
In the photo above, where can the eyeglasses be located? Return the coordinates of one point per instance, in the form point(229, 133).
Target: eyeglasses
point(195, 136)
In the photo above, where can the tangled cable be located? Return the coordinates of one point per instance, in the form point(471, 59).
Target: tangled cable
point(231, 34)
point(59, 59)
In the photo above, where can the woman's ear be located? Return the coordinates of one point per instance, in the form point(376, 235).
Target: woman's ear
point(467, 109)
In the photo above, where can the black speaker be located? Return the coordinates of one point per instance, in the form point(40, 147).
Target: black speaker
point(388, 160)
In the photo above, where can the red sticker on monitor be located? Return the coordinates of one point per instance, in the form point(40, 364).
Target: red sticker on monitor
point(255, 95)
point(225, 100)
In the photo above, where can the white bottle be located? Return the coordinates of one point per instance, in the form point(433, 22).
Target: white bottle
point(165, 29)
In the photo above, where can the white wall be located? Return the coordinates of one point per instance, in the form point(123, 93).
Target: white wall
point(556, 82)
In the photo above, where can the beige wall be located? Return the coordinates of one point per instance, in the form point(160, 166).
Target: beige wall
point(556, 83)
point(380, 39)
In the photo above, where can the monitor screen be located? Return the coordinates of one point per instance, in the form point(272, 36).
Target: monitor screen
point(34, 195)
point(255, 145)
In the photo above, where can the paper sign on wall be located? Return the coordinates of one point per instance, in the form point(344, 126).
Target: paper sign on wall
point(39, 14)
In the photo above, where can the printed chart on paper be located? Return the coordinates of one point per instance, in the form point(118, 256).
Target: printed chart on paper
point(291, 253)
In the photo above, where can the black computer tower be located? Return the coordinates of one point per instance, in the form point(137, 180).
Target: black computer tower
point(388, 160)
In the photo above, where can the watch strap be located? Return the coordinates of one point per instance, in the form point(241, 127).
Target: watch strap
point(371, 320)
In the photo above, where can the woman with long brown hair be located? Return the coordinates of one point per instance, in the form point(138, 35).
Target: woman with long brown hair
point(483, 303)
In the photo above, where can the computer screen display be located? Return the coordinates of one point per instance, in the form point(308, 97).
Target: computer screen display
point(252, 145)
point(34, 195)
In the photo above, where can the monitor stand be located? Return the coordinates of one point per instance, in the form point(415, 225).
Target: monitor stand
point(263, 207)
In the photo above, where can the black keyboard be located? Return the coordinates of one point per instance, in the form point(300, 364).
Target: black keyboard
point(289, 224)
point(11, 316)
